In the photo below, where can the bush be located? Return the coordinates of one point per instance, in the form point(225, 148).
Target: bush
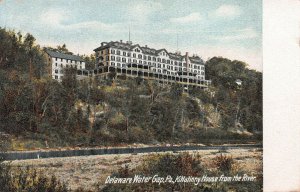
point(137, 134)
point(224, 163)
point(28, 180)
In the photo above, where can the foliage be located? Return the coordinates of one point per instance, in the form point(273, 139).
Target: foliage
point(182, 164)
point(35, 107)
point(223, 73)
point(223, 163)
point(28, 180)
point(61, 49)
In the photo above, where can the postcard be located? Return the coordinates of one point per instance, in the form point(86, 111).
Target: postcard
point(131, 95)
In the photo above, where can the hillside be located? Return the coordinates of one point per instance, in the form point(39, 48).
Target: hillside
point(38, 112)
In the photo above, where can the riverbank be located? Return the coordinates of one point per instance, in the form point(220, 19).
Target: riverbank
point(86, 171)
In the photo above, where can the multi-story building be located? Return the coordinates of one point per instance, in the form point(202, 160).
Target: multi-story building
point(58, 61)
point(148, 63)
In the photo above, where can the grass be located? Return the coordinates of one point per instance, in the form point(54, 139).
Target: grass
point(84, 172)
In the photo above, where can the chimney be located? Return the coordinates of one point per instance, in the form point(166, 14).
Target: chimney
point(121, 41)
point(146, 46)
point(187, 60)
point(102, 44)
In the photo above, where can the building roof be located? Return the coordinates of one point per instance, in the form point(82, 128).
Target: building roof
point(63, 55)
point(128, 46)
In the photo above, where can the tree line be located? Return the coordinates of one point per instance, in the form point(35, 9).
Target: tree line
point(114, 110)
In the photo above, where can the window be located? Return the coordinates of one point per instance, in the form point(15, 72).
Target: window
point(112, 63)
point(124, 60)
point(118, 52)
point(56, 77)
point(149, 63)
point(140, 62)
point(163, 60)
point(124, 53)
point(154, 59)
point(123, 65)
point(159, 60)
point(168, 61)
point(128, 54)
point(56, 71)
point(159, 65)
point(61, 60)
point(119, 65)
point(134, 55)
point(140, 56)
point(118, 59)
point(113, 51)
point(149, 58)
point(107, 58)
point(145, 62)
point(55, 64)
point(145, 57)
point(134, 61)
point(176, 68)
point(113, 58)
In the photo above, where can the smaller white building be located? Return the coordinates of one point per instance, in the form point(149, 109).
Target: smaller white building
point(58, 61)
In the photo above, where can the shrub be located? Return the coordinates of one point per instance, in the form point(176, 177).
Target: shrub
point(137, 134)
point(224, 163)
point(28, 180)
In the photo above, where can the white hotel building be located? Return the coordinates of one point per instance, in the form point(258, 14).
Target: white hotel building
point(59, 61)
point(135, 60)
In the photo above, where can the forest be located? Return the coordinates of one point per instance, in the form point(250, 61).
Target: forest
point(37, 111)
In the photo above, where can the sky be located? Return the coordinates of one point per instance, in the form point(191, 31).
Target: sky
point(208, 28)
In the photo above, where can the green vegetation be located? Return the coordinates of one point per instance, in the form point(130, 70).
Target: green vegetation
point(15, 179)
point(37, 111)
point(28, 180)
